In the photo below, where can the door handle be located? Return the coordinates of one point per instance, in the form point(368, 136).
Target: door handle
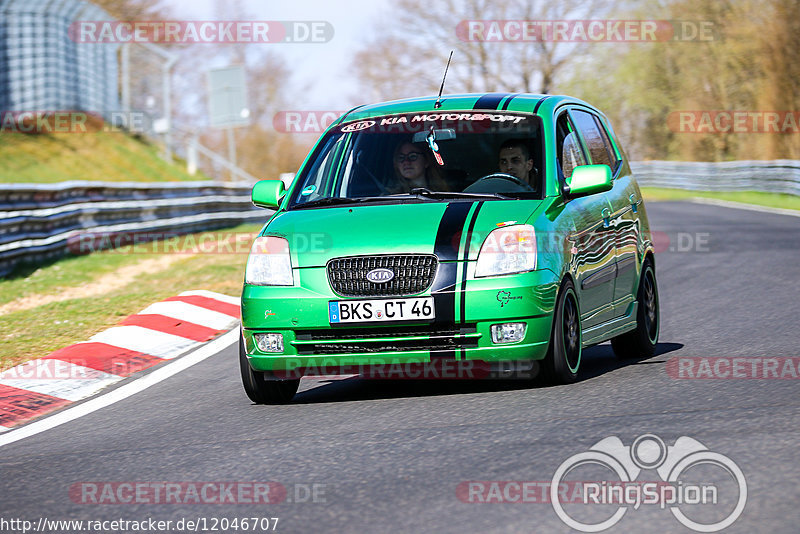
point(606, 214)
point(634, 203)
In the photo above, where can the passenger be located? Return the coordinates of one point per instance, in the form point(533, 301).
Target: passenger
point(414, 167)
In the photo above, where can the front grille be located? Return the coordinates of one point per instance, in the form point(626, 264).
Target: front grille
point(413, 273)
point(368, 340)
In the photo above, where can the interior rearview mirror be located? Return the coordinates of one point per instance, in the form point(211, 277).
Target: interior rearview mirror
point(440, 135)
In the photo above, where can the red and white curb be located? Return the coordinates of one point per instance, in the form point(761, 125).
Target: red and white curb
point(158, 333)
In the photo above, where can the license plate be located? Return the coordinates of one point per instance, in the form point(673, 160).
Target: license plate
point(367, 311)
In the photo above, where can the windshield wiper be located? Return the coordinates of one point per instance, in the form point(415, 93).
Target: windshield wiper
point(424, 192)
point(421, 193)
point(327, 201)
point(334, 201)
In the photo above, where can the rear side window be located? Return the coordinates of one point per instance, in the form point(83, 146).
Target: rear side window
point(597, 143)
point(568, 147)
point(607, 140)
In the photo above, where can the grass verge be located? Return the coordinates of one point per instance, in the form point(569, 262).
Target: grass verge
point(33, 332)
point(96, 156)
point(772, 200)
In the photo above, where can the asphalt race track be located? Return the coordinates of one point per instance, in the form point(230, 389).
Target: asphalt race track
point(390, 456)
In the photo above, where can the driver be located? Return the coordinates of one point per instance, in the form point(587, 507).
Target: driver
point(515, 159)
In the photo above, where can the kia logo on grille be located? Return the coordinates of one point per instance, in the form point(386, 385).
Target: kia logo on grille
point(380, 276)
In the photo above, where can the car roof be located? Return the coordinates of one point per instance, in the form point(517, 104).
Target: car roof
point(518, 102)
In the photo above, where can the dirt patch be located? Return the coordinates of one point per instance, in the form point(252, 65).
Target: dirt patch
point(106, 283)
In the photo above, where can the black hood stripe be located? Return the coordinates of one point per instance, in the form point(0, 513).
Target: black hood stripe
point(465, 258)
point(448, 236)
point(489, 101)
point(448, 239)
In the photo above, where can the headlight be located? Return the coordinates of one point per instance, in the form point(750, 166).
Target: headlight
point(510, 249)
point(269, 263)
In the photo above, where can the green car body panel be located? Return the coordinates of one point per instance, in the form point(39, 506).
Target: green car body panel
point(599, 241)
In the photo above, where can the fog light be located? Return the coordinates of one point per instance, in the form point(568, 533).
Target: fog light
point(508, 332)
point(269, 342)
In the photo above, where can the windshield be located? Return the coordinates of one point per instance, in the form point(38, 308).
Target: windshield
point(424, 156)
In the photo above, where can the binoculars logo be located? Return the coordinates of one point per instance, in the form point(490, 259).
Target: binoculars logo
point(649, 452)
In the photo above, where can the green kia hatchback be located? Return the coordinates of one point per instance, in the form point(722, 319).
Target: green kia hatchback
point(493, 232)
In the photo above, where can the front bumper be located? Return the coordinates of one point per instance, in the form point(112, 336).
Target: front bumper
point(461, 333)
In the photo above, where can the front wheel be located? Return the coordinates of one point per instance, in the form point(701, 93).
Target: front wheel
point(563, 359)
point(641, 342)
point(260, 390)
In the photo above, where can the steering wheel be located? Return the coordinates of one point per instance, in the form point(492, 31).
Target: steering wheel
point(503, 176)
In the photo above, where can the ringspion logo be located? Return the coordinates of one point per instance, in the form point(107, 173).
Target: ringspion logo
point(697, 484)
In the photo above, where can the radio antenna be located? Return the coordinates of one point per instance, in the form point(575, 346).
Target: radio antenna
point(438, 102)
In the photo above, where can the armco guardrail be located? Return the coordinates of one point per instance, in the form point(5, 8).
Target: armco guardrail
point(38, 222)
point(777, 176)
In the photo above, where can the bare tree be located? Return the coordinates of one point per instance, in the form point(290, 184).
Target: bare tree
point(750, 64)
point(409, 59)
point(133, 9)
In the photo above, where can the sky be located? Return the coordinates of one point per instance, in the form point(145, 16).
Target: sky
point(323, 70)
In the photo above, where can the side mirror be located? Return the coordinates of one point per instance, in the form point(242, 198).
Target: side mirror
point(268, 193)
point(588, 180)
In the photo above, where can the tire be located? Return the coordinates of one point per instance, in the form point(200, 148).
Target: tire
point(641, 342)
point(563, 359)
point(260, 390)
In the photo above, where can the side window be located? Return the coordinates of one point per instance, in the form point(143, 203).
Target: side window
point(599, 151)
point(316, 183)
point(312, 187)
point(607, 140)
point(568, 148)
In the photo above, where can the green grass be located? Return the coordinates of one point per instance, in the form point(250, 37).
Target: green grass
point(97, 156)
point(33, 333)
point(773, 200)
